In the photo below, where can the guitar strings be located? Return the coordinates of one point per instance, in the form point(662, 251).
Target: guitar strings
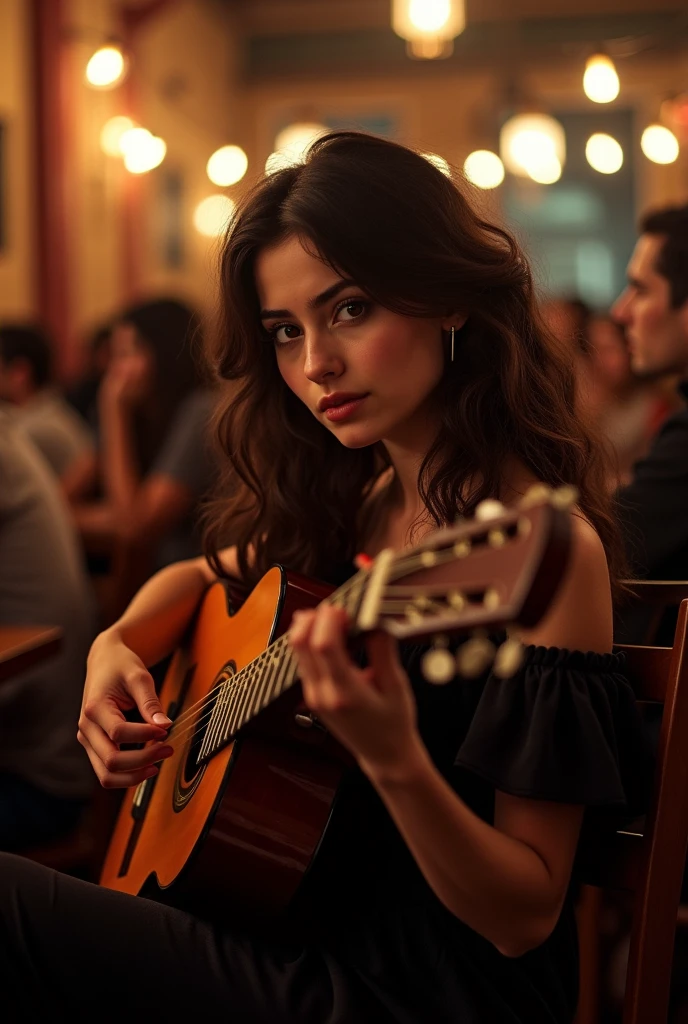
point(239, 681)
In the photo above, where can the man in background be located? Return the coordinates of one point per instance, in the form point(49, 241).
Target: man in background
point(26, 384)
point(653, 311)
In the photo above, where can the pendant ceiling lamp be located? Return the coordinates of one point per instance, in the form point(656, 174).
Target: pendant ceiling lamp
point(428, 26)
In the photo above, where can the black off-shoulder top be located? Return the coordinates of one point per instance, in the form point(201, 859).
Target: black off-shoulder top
point(565, 728)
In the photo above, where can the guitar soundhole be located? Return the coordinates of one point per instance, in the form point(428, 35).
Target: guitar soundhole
point(190, 773)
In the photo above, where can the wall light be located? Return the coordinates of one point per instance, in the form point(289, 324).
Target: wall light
point(106, 68)
point(227, 165)
point(213, 214)
point(603, 153)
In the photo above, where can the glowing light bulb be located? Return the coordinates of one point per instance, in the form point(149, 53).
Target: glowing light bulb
point(603, 153)
point(533, 145)
point(484, 168)
point(227, 165)
point(545, 171)
point(213, 214)
point(429, 15)
point(600, 81)
point(112, 132)
point(659, 144)
point(106, 68)
point(142, 150)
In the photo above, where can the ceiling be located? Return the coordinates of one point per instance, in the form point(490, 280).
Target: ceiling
point(316, 38)
point(277, 16)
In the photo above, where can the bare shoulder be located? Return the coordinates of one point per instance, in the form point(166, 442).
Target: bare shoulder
point(580, 616)
point(230, 564)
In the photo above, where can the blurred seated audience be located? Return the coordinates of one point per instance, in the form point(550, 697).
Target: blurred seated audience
point(45, 777)
point(154, 461)
point(629, 410)
point(27, 385)
point(83, 393)
point(626, 410)
point(654, 313)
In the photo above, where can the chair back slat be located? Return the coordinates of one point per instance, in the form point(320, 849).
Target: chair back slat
point(652, 863)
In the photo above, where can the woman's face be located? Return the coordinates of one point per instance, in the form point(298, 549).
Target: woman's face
point(131, 361)
point(334, 344)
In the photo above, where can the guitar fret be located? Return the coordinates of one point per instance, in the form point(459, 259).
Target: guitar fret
point(227, 712)
point(238, 717)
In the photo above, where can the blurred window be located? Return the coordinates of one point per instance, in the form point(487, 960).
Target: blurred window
point(580, 231)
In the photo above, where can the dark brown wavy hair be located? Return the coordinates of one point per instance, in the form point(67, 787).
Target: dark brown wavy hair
point(382, 215)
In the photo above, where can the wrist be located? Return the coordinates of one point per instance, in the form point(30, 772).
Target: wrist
point(105, 639)
point(412, 765)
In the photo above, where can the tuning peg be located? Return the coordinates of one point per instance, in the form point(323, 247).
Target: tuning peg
point(489, 509)
point(475, 656)
point(535, 495)
point(437, 664)
point(462, 548)
point(565, 497)
point(508, 659)
point(496, 538)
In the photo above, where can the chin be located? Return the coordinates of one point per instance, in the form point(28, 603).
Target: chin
point(356, 437)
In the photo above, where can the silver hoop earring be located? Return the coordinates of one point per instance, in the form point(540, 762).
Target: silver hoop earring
point(452, 345)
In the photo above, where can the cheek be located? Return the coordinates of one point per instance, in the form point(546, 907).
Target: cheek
point(409, 357)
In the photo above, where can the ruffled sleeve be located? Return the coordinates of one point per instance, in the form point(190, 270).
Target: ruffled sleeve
point(565, 728)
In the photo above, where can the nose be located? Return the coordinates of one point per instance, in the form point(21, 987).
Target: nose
point(621, 308)
point(321, 356)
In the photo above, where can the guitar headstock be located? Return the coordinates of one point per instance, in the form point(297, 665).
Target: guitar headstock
point(502, 568)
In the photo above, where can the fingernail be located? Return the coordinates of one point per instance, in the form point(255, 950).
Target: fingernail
point(161, 719)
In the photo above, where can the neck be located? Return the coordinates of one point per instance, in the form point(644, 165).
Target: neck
point(407, 451)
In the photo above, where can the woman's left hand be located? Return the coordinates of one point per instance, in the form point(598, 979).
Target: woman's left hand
point(371, 711)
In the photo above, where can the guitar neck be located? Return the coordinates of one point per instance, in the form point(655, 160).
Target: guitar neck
point(245, 694)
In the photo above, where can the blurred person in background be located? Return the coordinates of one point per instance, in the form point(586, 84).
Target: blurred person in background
point(44, 775)
point(628, 409)
point(154, 463)
point(83, 393)
point(27, 385)
point(653, 311)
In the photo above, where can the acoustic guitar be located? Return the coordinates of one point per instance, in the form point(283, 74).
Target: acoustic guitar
point(235, 816)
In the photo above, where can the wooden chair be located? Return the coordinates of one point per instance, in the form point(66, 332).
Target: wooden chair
point(648, 860)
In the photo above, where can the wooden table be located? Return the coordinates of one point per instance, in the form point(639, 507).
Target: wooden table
point(24, 646)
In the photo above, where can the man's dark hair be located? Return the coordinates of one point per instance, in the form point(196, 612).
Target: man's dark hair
point(29, 342)
point(672, 263)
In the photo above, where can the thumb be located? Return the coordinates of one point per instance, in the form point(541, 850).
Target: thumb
point(142, 689)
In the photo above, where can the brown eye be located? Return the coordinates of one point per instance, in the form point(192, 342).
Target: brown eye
point(353, 309)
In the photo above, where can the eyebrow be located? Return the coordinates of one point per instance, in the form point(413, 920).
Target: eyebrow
point(315, 303)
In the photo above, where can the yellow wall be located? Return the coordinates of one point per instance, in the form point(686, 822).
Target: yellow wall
point(187, 87)
point(17, 294)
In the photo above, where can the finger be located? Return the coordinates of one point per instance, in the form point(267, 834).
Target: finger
point(115, 760)
point(327, 643)
point(116, 780)
point(384, 660)
point(104, 716)
point(140, 685)
point(299, 641)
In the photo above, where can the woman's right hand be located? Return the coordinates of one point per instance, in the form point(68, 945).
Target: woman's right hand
point(117, 681)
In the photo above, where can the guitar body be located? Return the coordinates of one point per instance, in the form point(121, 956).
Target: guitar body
point(243, 828)
point(235, 817)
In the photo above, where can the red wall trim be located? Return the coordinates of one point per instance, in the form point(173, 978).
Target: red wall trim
point(53, 262)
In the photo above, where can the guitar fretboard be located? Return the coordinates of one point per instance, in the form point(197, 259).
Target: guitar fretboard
point(246, 693)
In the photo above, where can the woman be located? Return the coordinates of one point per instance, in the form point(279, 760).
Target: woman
point(154, 463)
point(389, 373)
